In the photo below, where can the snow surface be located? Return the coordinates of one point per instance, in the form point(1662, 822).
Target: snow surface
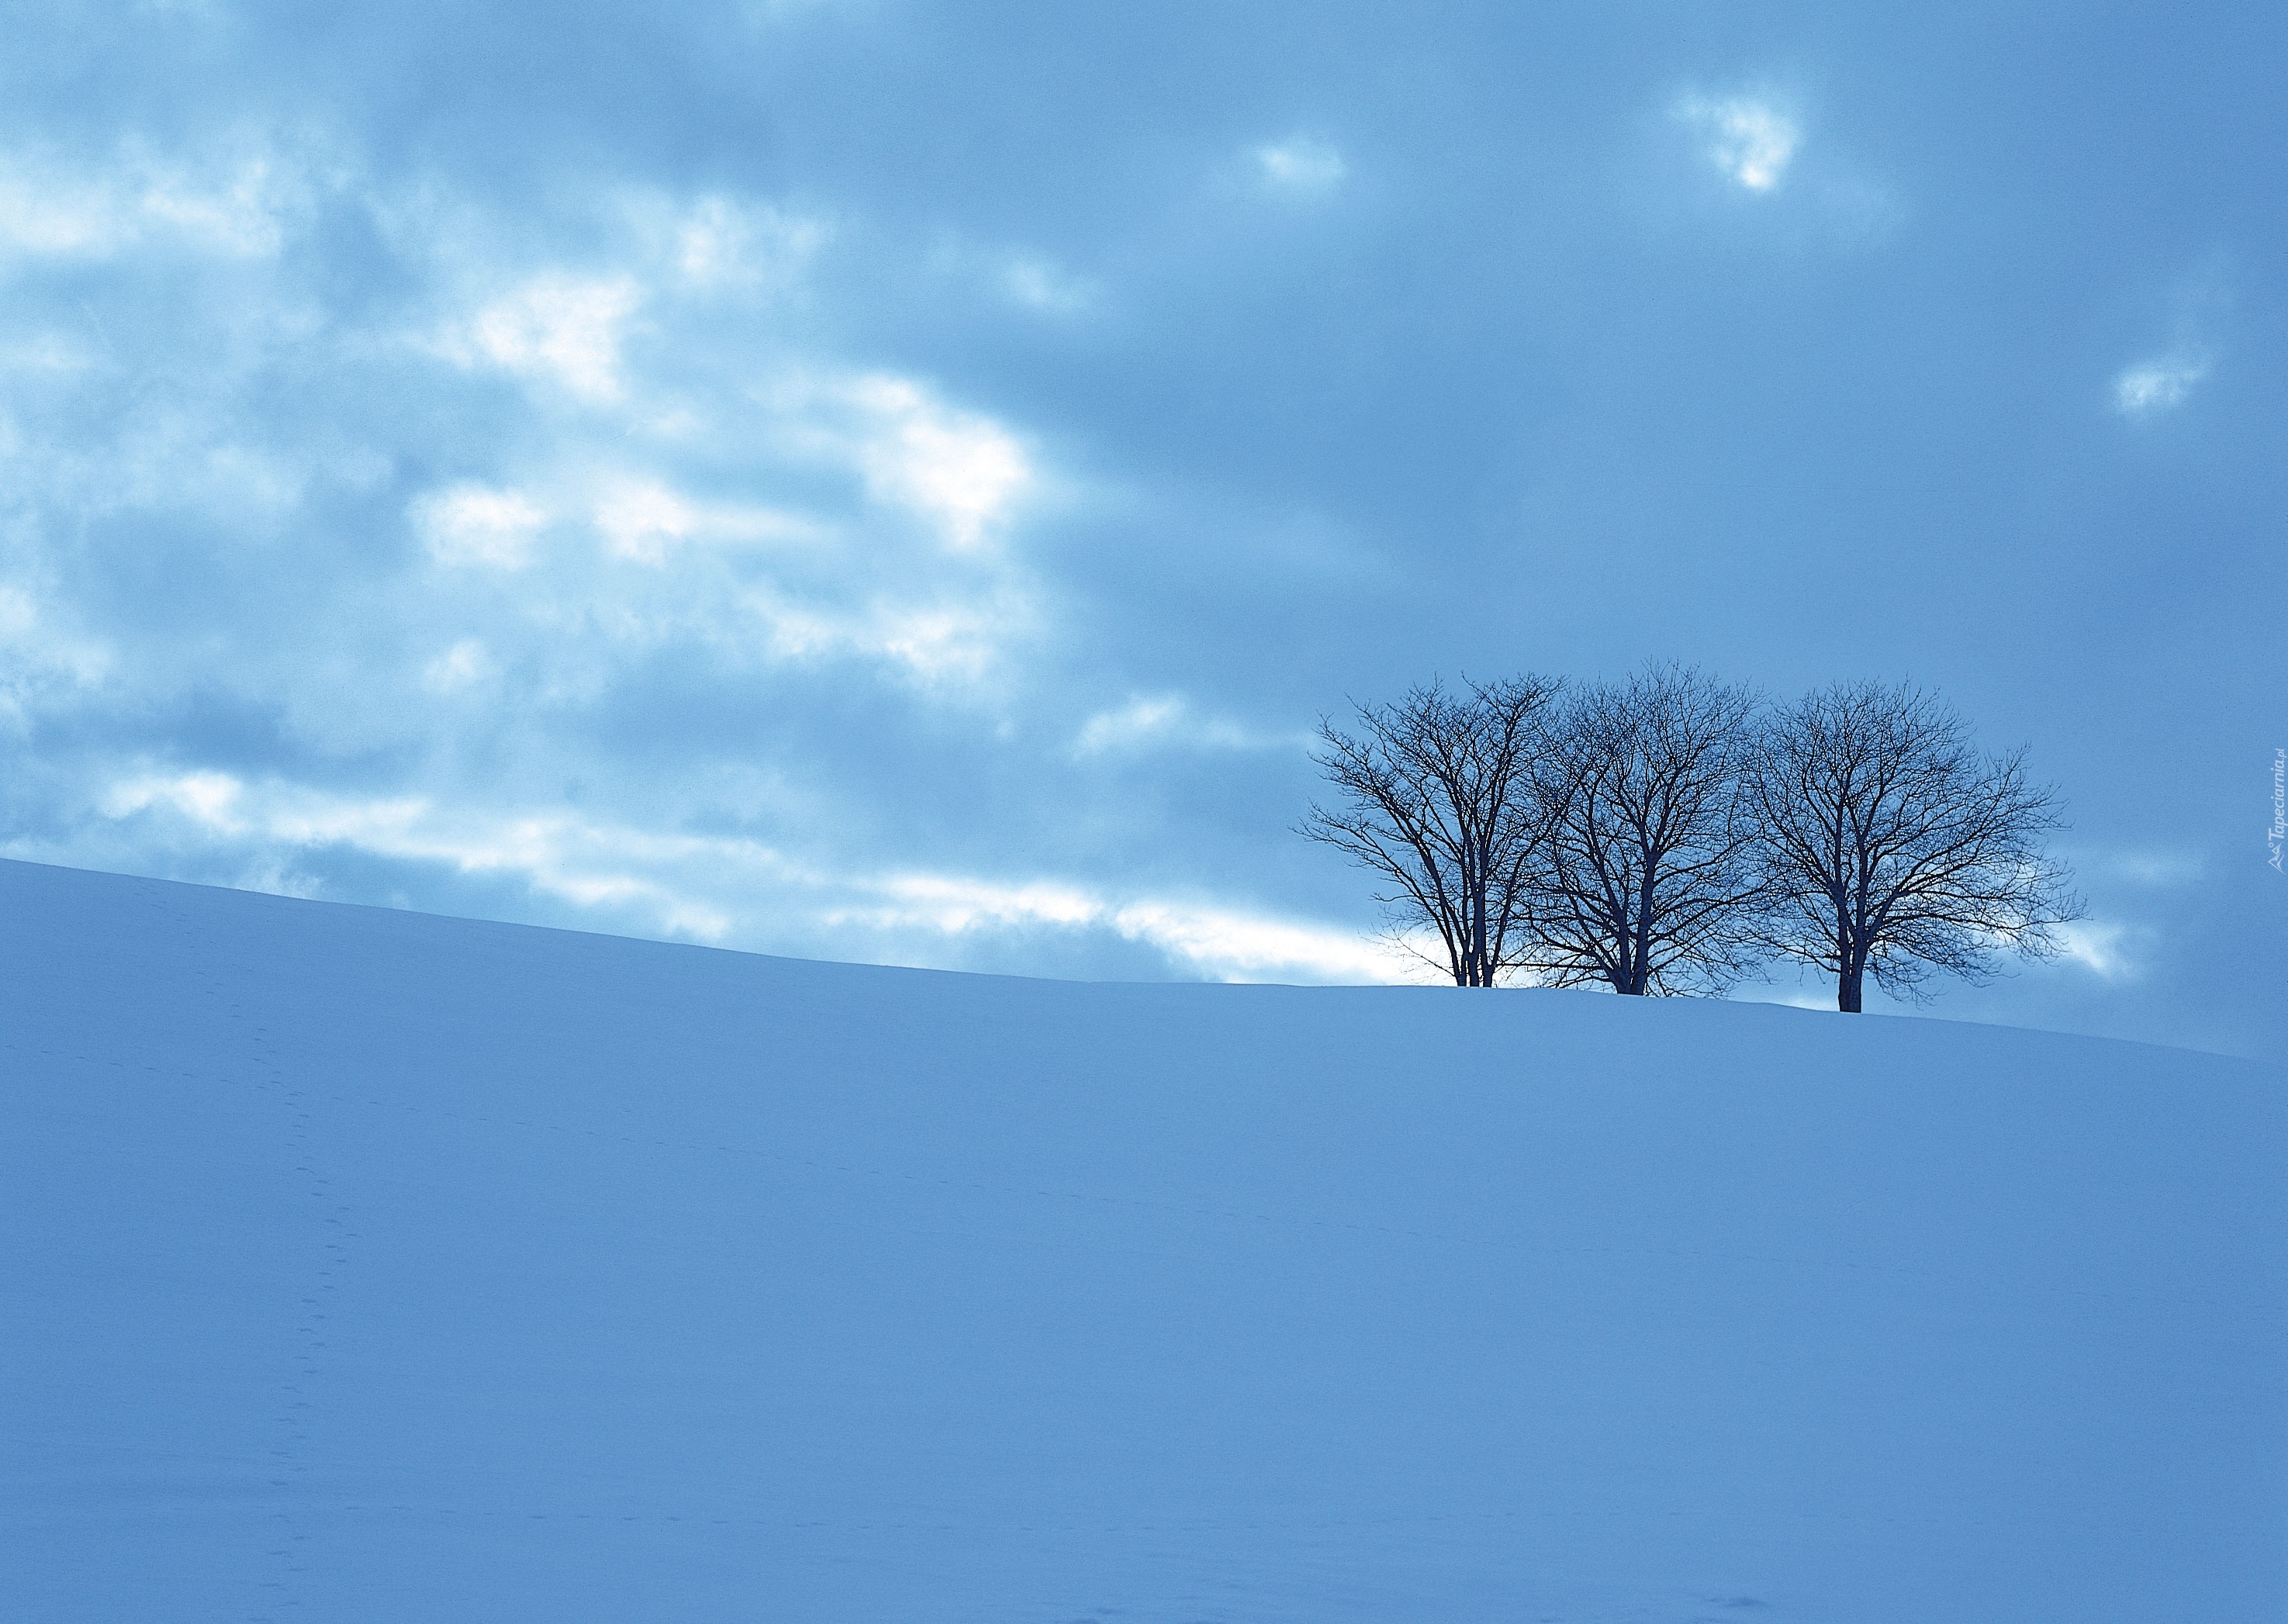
point(364, 1266)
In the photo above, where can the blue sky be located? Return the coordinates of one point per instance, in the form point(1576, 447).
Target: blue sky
point(890, 481)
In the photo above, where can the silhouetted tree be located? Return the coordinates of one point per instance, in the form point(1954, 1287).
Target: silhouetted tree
point(1647, 880)
point(1890, 845)
point(1436, 800)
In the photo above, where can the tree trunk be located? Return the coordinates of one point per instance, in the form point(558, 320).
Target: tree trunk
point(1847, 989)
point(1478, 932)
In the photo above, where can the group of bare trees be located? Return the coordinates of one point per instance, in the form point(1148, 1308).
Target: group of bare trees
point(1673, 833)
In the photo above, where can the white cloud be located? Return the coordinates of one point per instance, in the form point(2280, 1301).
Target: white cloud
point(940, 600)
point(52, 352)
point(470, 524)
point(752, 583)
point(1021, 276)
point(238, 214)
point(808, 514)
point(2151, 387)
point(952, 641)
point(559, 855)
point(951, 904)
point(1791, 1000)
point(1222, 943)
point(900, 560)
point(1750, 140)
point(963, 470)
point(464, 665)
point(1230, 946)
point(38, 659)
point(1151, 722)
point(40, 218)
point(557, 327)
point(233, 205)
point(722, 242)
point(2098, 947)
point(1139, 722)
point(644, 521)
point(720, 889)
point(1039, 285)
point(1301, 164)
point(642, 518)
point(2159, 868)
point(29, 642)
point(209, 798)
point(960, 640)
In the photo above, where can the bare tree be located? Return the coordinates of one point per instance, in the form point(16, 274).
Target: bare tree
point(1649, 879)
point(1891, 846)
point(1437, 802)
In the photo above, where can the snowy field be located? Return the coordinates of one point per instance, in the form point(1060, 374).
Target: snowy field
point(367, 1266)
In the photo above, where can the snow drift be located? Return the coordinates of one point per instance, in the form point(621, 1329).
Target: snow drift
point(369, 1266)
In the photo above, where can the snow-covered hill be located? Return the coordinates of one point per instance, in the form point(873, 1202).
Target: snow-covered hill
point(367, 1266)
